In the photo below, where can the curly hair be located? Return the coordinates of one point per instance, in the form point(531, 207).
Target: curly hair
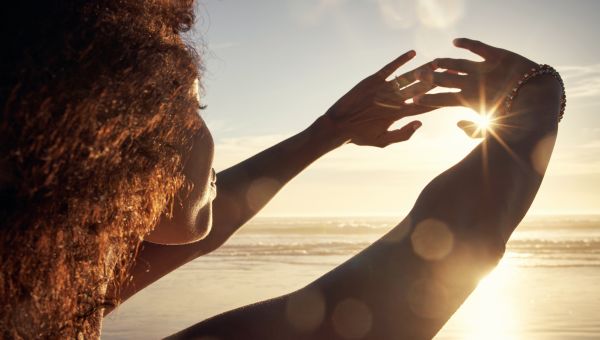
point(97, 117)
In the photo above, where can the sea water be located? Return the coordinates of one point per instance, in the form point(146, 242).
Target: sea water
point(546, 287)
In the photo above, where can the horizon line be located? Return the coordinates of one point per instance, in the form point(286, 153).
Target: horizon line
point(394, 215)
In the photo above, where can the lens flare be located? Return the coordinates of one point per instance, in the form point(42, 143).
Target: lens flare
point(484, 122)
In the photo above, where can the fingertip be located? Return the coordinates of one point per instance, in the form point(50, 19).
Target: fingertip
point(458, 42)
point(412, 53)
point(416, 124)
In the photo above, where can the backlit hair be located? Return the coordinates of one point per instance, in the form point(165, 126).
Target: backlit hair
point(97, 117)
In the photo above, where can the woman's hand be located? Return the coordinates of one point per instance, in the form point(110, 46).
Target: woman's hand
point(483, 85)
point(364, 114)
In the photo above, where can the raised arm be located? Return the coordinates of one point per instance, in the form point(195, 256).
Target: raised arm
point(362, 117)
point(409, 283)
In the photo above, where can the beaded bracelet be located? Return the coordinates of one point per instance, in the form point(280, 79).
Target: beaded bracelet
point(534, 72)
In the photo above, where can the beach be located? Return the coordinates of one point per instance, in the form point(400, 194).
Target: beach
point(546, 287)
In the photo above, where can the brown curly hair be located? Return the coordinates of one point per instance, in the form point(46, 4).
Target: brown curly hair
point(97, 117)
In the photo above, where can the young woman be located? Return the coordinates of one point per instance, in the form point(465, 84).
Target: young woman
point(103, 154)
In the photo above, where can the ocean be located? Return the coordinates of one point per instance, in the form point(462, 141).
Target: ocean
point(546, 287)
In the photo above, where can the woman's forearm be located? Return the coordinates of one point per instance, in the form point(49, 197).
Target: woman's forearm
point(247, 187)
point(243, 190)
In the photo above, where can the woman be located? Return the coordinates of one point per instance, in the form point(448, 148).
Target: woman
point(102, 149)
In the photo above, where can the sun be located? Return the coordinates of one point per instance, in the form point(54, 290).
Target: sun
point(479, 125)
point(484, 121)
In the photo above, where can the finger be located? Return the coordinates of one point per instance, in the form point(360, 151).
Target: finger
point(415, 90)
point(415, 109)
point(398, 97)
point(460, 65)
point(471, 129)
point(411, 110)
point(440, 99)
point(391, 113)
point(375, 113)
point(390, 68)
point(475, 46)
point(409, 77)
point(399, 135)
point(445, 79)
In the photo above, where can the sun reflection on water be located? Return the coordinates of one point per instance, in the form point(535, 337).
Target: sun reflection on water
point(490, 312)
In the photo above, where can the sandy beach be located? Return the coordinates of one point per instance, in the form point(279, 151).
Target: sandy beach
point(545, 287)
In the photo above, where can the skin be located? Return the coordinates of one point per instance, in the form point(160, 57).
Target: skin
point(407, 284)
point(192, 217)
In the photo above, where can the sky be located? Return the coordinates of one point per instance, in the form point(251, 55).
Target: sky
point(274, 66)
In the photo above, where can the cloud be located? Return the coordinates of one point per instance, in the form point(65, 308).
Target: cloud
point(578, 159)
point(435, 14)
point(230, 151)
point(423, 154)
point(591, 145)
point(440, 14)
point(581, 81)
point(397, 14)
point(420, 154)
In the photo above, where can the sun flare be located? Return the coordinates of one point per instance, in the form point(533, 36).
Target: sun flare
point(484, 121)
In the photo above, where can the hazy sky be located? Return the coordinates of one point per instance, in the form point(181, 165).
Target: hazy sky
point(274, 66)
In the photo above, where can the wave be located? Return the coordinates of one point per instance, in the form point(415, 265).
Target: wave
point(286, 249)
point(546, 246)
point(366, 225)
point(525, 252)
point(541, 242)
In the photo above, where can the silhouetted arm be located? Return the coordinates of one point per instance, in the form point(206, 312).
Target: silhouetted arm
point(362, 117)
point(410, 282)
point(243, 190)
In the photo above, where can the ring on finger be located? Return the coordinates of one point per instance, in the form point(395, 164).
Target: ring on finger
point(398, 83)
